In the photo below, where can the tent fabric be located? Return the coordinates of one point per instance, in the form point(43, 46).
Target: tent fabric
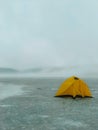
point(73, 86)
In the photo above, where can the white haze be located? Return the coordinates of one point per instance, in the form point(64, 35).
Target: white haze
point(48, 33)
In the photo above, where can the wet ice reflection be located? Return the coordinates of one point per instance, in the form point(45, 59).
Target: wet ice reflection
point(7, 90)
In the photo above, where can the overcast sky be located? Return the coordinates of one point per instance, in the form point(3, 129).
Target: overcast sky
point(41, 33)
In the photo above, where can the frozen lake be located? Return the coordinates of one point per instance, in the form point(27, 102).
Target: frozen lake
point(29, 104)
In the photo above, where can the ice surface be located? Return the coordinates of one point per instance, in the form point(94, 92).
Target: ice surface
point(29, 104)
point(75, 123)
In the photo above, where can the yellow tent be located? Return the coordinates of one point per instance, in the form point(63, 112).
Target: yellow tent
point(73, 86)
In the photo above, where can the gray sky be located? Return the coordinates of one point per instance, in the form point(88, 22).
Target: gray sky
point(41, 33)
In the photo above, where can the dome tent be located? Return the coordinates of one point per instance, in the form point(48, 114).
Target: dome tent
point(74, 87)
